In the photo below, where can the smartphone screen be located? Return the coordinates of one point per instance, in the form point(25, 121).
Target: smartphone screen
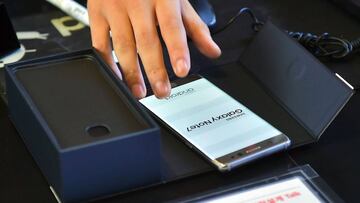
point(208, 118)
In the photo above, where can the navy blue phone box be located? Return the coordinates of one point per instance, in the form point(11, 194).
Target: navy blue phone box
point(86, 132)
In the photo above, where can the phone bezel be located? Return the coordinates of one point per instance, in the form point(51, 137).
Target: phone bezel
point(233, 159)
point(176, 83)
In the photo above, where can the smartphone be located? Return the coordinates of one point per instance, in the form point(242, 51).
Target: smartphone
point(216, 125)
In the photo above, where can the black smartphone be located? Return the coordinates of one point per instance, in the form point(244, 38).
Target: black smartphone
point(216, 125)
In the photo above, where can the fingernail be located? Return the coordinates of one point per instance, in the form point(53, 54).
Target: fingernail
point(138, 91)
point(181, 68)
point(161, 89)
point(216, 46)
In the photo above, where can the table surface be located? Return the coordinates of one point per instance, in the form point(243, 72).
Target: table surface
point(334, 156)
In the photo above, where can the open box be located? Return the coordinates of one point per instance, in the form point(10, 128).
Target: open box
point(86, 132)
point(93, 167)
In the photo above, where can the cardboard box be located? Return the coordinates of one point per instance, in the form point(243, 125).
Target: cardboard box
point(84, 129)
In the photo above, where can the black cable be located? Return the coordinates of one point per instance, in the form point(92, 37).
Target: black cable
point(326, 45)
point(256, 24)
point(323, 45)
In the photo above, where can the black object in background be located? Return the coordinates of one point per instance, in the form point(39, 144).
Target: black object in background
point(310, 92)
point(82, 2)
point(19, 8)
point(8, 39)
point(351, 6)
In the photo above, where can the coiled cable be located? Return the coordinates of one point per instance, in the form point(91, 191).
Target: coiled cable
point(323, 45)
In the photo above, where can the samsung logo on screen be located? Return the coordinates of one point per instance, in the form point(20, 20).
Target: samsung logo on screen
point(180, 93)
point(226, 116)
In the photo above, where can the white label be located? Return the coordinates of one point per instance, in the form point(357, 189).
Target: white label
point(289, 191)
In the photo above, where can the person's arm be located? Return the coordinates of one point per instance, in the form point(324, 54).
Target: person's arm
point(133, 25)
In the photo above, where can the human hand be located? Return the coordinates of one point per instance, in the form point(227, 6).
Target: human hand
point(133, 25)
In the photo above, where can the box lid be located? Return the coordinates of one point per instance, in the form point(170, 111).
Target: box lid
point(301, 84)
